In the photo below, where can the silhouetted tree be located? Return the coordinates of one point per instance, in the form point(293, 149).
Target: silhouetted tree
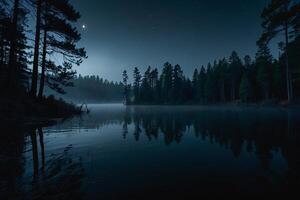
point(13, 46)
point(280, 16)
point(195, 82)
point(177, 84)
point(221, 78)
point(278, 81)
point(146, 90)
point(126, 88)
point(14, 49)
point(34, 79)
point(209, 84)
point(60, 37)
point(167, 82)
point(245, 88)
point(202, 82)
point(294, 60)
point(235, 70)
point(263, 65)
point(136, 85)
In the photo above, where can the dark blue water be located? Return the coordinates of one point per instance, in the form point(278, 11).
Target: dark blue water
point(147, 152)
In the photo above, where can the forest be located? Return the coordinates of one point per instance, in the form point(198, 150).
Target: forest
point(91, 89)
point(264, 79)
point(39, 56)
point(38, 47)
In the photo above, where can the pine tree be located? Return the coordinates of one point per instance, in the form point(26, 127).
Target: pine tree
point(263, 64)
point(60, 37)
point(167, 82)
point(23, 54)
point(195, 83)
point(136, 85)
point(248, 70)
point(187, 93)
point(146, 93)
point(154, 85)
point(294, 60)
point(222, 77)
point(277, 86)
point(245, 88)
point(202, 83)
point(126, 88)
point(235, 70)
point(177, 84)
point(15, 38)
point(248, 62)
point(208, 89)
point(34, 80)
point(280, 16)
point(13, 68)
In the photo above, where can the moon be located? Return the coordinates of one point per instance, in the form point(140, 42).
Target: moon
point(83, 26)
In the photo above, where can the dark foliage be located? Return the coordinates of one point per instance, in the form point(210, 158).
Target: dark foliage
point(226, 81)
point(282, 16)
point(14, 55)
point(55, 19)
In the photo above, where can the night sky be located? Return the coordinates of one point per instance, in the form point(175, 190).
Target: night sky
point(123, 34)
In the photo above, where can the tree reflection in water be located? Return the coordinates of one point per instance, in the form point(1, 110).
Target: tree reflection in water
point(261, 133)
point(58, 177)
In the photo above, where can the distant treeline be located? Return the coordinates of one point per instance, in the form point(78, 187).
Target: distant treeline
point(226, 80)
point(92, 89)
point(232, 79)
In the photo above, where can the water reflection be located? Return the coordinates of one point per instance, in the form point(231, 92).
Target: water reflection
point(115, 149)
point(57, 177)
point(11, 161)
point(260, 131)
point(264, 130)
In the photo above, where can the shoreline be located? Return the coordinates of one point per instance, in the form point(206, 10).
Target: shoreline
point(252, 105)
point(33, 112)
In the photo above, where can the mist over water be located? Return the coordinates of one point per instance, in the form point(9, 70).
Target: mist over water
point(163, 151)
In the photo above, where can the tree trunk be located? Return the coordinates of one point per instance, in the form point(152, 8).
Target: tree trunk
point(12, 51)
point(288, 75)
point(42, 81)
point(35, 70)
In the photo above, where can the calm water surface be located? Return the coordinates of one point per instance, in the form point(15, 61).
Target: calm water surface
point(156, 152)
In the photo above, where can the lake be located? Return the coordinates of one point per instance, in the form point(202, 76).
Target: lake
point(154, 152)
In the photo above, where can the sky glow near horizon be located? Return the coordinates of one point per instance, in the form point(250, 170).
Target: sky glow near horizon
point(121, 35)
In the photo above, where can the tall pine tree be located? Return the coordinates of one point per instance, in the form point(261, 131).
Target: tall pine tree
point(280, 16)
